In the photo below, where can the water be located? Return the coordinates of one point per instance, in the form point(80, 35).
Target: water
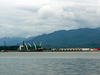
point(44, 63)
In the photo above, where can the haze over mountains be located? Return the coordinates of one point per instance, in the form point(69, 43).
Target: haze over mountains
point(12, 41)
point(62, 37)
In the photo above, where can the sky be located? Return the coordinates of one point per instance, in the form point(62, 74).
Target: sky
point(29, 18)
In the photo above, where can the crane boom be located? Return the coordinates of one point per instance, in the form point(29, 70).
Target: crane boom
point(29, 44)
point(25, 45)
point(40, 43)
point(34, 44)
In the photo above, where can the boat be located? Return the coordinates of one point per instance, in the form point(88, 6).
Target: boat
point(25, 48)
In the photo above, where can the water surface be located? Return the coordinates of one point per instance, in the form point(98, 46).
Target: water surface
point(39, 63)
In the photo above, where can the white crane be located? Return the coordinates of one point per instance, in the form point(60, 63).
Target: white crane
point(40, 43)
point(29, 44)
point(26, 45)
point(34, 44)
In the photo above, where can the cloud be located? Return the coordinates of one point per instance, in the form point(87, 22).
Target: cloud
point(29, 18)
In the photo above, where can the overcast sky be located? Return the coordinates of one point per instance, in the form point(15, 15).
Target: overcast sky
point(27, 18)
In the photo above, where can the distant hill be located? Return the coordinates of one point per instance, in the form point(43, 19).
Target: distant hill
point(71, 37)
point(80, 36)
point(11, 41)
point(98, 28)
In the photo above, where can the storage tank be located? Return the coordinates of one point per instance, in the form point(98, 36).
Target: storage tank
point(61, 49)
point(85, 49)
point(53, 49)
point(65, 49)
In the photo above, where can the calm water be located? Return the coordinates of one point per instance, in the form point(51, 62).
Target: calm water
point(57, 63)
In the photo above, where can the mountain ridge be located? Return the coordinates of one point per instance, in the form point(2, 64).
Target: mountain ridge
point(71, 37)
point(62, 37)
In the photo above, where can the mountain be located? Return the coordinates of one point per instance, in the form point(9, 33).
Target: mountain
point(11, 41)
point(71, 37)
point(98, 28)
point(80, 36)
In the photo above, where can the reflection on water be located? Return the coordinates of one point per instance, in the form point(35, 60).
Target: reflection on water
point(48, 66)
